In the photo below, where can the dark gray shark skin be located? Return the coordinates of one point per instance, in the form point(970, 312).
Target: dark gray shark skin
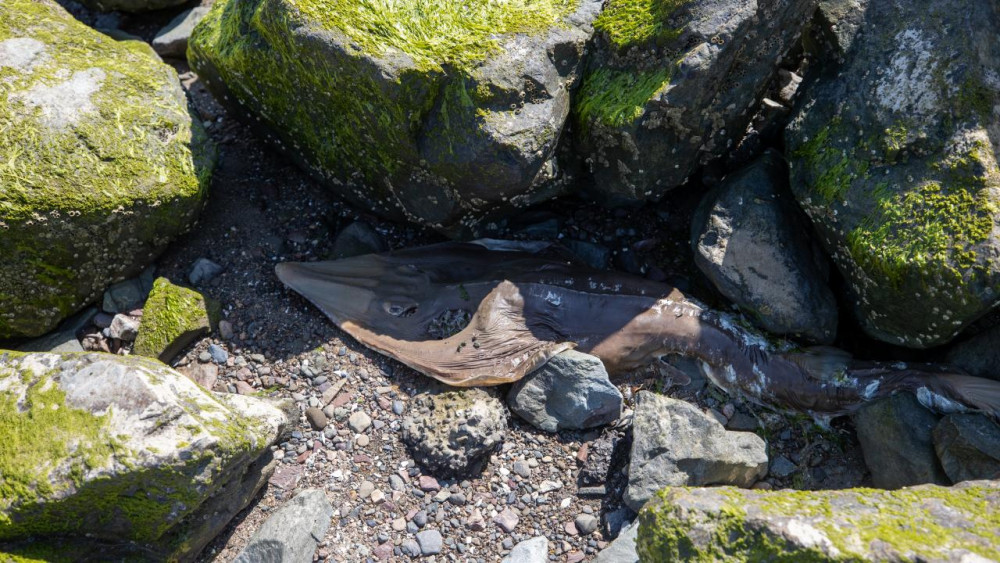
point(526, 302)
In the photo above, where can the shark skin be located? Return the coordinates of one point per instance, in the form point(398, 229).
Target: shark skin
point(519, 304)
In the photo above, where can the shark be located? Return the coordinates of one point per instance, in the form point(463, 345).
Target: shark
point(490, 312)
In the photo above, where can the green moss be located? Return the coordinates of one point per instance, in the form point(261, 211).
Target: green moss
point(628, 23)
point(434, 32)
point(830, 167)
point(131, 169)
point(615, 98)
point(172, 318)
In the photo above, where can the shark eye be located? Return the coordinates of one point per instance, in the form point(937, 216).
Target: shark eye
point(399, 307)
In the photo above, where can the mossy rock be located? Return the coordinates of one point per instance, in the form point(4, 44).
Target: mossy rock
point(925, 523)
point(437, 112)
point(672, 84)
point(101, 163)
point(99, 448)
point(893, 156)
point(172, 318)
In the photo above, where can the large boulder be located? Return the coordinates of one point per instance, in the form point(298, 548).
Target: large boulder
point(98, 448)
point(439, 113)
point(674, 83)
point(925, 523)
point(892, 155)
point(102, 163)
point(676, 444)
point(749, 240)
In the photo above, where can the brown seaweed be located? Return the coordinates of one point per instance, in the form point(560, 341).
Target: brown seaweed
point(490, 312)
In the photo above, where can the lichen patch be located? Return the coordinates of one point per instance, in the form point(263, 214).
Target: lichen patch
point(65, 103)
point(909, 82)
point(22, 53)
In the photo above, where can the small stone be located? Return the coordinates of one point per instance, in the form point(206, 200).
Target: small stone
point(420, 518)
point(396, 483)
point(586, 524)
point(203, 270)
point(316, 418)
point(377, 496)
point(535, 550)
point(522, 468)
point(226, 330)
point(359, 421)
point(399, 524)
point(365, 489)
point(430, 542)
point(428, 483)
point(781, 467)
point(218, 353)
point(411, 548)
point(362, 440)
point(507, 520)
point(549, 486)
point(123, 327)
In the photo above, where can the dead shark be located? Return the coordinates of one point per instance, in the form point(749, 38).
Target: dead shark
point(490, 312)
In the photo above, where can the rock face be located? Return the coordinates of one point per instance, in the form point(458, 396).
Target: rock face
point(675, 444)
point(103, 164)
point(673, 83)
point(172, 40)
point(124, 450)
point(571, 391)
point(925, 523)
point(749, 241)
point(893, 157)
point(130, 5)
point(897, 442)
point(291, 534)
point(980, 354)
point(438, 115)
point(174, 317)
point(453, 433)
point(968, 446)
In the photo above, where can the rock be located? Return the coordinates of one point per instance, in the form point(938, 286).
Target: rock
point(291, 534)
point(924, 523)
point(365, 489)
point(622, 550)
point(357, 239)
point(674, 84)
point(124, 327)
point(749, 240)
point(605, 455)
point(507, 520)
point(979, 355)
point(586, 524)
point(429, 541)
point(172, 40)
point(218, 353)
point(411, 548)
point(316, 418)
point(203, 374)
point(896, 440)
point(130, 5)
point(169, 463)
point(63, 339)
point(535, 550)
point(892, 156)
point(440, 132)
point(453, 433)
point(203, 271)
point(359, 421)
point(594, 255)
point(968, 446)
point(115, 116)
point(674, 444)
point(128, 295)
point(226, 330)
point(782, 467)
point(571, 391)
point(174, 317)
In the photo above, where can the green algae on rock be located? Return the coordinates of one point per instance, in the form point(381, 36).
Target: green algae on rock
point(897, 168)
point(120, 450)
point(101, 163)
point(925, 523)
point(173, 317)
point(672, 84)
point(436, 112)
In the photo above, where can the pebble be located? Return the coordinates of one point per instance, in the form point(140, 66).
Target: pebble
point(411, 548)
point(226, 330)
point(217, 353)
point(522, 468)
point(428, 483)
point(316, 418)
point(507, 520)
point(365, 489)
point(398, 407)
point(430, 542)
point(377, 496)
point(363, 440)
point(359, 422)
point(420, 518)
point(586, 524)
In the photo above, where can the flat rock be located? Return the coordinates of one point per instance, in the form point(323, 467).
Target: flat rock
point(923, 523)
point(968, 446)
point(674, 444)
point(535, 550)
point(291, 534)
point(571, 391)
point(896, 440)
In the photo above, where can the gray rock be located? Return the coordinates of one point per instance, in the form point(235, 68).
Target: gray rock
point(507, 520)
point(674, 444)
point(980, 354)
point(124, 328)
point(172, 40)
point(586, 524)
point(750, 241)
point(968, 446)
point(130, 294)
point(782, 467)
point(166, 432)
point(622, 550)
point(359, 421)
point(291, 534)
point(430, 542)
point(64, 338)
point(218, 353)
point(670, 88)
point(535, 550)
point(594, 255)
point(411, 548)
point(357, 239)
point(892, 156)
point(896, 439)
point(924, 523)
point(316, 418)
point(453, 433)
point(443, 139)
point(203, 271)
point(571, 391)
